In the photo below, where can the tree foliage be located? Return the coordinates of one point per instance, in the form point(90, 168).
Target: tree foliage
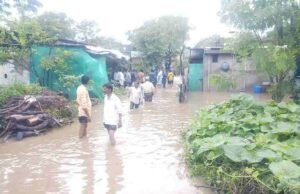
point(59, 62)
point(26, 7)
point(87, 30)
point(56, 25)
point(212, 41)
point(107, 42)
point(160, 39)
point(22, 8)
point(261, 15)
point(24, 28)
point(4, 6)
point(270, 36)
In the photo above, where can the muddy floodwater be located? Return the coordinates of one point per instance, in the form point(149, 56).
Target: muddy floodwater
point(148, 157)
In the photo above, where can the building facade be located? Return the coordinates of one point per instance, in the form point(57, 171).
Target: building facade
point(225, 63)
point(9, 74)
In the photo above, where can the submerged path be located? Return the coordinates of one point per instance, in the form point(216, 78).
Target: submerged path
point(146, 160)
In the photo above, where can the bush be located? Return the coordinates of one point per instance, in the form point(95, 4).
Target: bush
point(223, 81)
point(18, 89)
point(243, 146)
point(64, 113)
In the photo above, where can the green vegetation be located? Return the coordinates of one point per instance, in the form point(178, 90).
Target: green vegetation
point(160, 39)
point(24, 28)
point(120, 91)
point(64, 113)
point(223, 81)
point(269, 35)
point(243, 146)
point(18, 89)
point(60, 63)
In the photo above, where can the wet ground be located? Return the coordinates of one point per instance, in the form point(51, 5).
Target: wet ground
point(146, 160)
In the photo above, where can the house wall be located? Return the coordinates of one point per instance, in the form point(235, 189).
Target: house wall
point(245, 73)
point(9, 75)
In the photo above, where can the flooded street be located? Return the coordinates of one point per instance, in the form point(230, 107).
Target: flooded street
point(147, 158)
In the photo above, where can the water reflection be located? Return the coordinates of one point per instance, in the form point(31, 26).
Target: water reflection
point(114, 169)
point(88, 172)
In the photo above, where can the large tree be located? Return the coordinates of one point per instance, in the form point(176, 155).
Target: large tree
point(87, 30)
point(160, 39)
point(21, 34)
point(107, 42)
point(270, 36)
point(26, 7)
point(4, 7)
point(57, 25)
point(21, 8)
point(212, 41)
point(259, 16)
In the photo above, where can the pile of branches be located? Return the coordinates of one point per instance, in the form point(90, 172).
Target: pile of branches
point(29, 115)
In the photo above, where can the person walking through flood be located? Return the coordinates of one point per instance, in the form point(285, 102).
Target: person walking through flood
point(135, 95)
point(84, 106)
point(112, 112)
point(127, 79)
point(121, 78)
point(159, 78)
point(141, 76)
point(133, 76)
point(153, 77)
point(170, 78)
point(148, 89)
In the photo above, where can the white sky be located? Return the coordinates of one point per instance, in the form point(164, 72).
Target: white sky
point(116, 17)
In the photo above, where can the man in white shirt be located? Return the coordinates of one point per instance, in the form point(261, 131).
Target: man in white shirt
point(178, 82)
point(116, 76)
point(135, 95)
point(112, 113)
point(121, 78)
point(84, 106)
point(149, 89)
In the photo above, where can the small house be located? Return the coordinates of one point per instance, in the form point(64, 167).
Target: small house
point(204, 63)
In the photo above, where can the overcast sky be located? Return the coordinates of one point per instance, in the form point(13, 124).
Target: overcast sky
point(116, 17)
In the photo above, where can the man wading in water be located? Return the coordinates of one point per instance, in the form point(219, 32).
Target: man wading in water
point(112, 113)
point(84, 106)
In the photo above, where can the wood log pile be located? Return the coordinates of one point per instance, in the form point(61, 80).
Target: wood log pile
point(29, 115)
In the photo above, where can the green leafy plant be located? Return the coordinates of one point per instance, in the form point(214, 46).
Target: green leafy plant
point(120, 91)
point(244, 146)
point(18, 89)
point(59, 63)
point(223, 81)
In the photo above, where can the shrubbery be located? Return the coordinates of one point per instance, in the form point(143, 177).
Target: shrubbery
point(244, 146)
point(18, 89)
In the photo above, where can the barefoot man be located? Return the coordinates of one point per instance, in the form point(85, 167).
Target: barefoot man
point(112, 115)
point(84, 106)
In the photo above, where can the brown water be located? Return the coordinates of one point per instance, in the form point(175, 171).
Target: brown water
point(147, 158)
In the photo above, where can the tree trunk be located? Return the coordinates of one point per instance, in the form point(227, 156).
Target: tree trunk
point(43, 125)
point(33, 121)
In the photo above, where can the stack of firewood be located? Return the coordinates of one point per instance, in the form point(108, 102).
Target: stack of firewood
point(29, 115)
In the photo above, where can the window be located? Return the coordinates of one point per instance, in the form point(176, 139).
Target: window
point(215, 58)
point(5, 76)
